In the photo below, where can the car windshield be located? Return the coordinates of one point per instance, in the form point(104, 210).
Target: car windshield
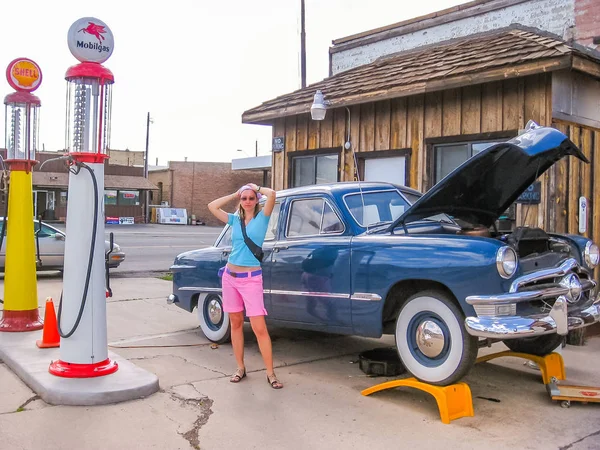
point(376, 207)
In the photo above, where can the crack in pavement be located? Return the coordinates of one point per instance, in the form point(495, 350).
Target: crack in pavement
point(566, 447)
point(28, 401)
point(182, 358)
point(204, 404)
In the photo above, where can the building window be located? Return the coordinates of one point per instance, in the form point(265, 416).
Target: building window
point(449, 156)
point(110, 197)
point(129, 198)
point(62, 198)
point(317, 169)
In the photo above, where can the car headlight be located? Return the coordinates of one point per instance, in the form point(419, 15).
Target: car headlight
point(591, 254)
point(506, 262)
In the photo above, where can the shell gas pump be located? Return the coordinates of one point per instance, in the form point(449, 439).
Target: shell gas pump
point(22, 123)
point(82, 310)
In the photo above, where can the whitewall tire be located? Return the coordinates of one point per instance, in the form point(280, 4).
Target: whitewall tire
point(214, 322)
point(431, 339)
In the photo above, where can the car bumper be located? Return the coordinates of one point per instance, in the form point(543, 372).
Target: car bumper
point(559, 320)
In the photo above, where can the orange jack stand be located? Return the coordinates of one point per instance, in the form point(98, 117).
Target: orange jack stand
point(453, 401)
point(551, 366)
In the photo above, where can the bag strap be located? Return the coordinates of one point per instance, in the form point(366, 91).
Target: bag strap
point(249, 242)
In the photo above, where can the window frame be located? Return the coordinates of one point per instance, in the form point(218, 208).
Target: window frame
point(325, 200)
point(337, 151)
point(405, 153)
point(376, 191)
point(431, 143)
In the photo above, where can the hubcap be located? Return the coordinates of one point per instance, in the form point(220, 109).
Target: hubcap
point(430, 338)
point(215, 312)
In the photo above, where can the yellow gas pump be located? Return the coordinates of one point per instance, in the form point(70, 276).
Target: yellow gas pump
point(20, 283)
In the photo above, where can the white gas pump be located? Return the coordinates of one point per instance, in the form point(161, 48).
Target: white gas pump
point(82, 312)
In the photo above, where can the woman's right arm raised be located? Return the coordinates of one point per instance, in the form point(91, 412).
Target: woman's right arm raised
point(216, 205)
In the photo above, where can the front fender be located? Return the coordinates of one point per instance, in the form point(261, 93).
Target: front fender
point(464, 264)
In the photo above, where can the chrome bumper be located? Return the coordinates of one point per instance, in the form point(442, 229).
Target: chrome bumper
point(496, 317)
point(512, 327)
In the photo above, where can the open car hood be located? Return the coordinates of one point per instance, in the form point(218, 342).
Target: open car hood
point(482, 188)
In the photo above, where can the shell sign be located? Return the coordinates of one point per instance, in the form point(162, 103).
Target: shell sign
point(24, 75)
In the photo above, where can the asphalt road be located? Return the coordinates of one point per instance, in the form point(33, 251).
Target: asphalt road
point(152, 248)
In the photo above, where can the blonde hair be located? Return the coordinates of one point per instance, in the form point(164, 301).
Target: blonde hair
point(242, 213)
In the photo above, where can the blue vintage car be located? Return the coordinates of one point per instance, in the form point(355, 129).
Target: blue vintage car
point(372, 258)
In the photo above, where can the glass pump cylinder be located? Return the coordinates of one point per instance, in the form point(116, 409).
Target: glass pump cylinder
point(89, 104)
point(22, 125)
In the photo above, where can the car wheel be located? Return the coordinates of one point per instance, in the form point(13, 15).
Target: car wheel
point(214, 322)
point(431, 340)
point(538, 346)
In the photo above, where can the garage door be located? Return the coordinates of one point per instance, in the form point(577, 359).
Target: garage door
point(392, 170)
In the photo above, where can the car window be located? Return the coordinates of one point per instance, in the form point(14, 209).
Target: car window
point(311, 217)
point(273, 223)
point(45, 231)
point(225, 240)
point(331, 221)
point(370, 208)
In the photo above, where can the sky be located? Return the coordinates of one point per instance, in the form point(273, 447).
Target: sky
point(195, 65)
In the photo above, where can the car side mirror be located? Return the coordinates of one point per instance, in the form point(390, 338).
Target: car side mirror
point(59, 237)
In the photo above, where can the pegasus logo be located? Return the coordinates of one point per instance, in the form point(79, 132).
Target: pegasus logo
point(94, 30)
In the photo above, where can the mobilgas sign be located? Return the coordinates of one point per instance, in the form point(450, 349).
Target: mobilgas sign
point(91, 40)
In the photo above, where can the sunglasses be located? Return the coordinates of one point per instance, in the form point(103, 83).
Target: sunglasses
point(248, 198)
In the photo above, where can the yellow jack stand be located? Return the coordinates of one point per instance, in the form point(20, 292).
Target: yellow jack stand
point(551, 366)
point(453, 401)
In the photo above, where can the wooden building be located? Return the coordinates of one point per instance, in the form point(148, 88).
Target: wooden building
point(424, 111)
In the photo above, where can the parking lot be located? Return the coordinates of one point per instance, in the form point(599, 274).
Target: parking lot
point(320, 406)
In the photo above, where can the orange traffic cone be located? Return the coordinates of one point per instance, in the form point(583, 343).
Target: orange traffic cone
point(50, 336)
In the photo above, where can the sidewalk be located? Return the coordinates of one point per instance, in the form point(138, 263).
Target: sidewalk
point(320, 406)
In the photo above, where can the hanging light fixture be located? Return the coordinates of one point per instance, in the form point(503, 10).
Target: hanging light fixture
point(319, 107)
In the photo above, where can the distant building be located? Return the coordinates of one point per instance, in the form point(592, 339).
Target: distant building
point(192, 185)
point(126, 157)
point(124, 188)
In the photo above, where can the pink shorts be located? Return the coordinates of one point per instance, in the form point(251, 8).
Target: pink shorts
point(240, 293)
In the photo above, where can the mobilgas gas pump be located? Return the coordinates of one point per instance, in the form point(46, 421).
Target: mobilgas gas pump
point(82, 311)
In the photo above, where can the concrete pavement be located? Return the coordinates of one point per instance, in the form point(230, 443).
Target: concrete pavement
point(320, 406)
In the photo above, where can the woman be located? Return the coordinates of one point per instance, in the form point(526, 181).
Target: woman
point(242, 278)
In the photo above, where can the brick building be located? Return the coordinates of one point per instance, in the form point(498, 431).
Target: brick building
point(192, 185)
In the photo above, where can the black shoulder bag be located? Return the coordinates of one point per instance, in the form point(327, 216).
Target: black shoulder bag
point(255, 249)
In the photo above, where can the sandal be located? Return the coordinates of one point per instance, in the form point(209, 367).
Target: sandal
point(274, 382)
point(238, 375)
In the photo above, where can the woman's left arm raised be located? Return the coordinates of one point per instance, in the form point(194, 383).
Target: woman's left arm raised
point(270, 194)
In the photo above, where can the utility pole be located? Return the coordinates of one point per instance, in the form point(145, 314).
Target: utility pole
point(302, 45)
point(147, 195)
point(255, 148)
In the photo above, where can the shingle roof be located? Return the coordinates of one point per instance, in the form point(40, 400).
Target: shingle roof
point(476, 59)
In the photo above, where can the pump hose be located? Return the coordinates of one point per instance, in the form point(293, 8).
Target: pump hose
point(90, 260)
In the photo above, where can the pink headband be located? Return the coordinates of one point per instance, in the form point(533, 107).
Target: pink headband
point(248, 188)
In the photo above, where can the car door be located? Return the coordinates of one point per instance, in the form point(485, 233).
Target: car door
point(310, 272)
point(52, 246)
point(267, 262)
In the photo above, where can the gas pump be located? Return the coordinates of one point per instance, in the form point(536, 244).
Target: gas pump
point(82, 311)
point(22, 122)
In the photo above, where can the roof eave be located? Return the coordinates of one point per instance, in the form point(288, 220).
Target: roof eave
point(548, 65)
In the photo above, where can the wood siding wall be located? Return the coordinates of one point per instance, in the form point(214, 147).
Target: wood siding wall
point(407, 122)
